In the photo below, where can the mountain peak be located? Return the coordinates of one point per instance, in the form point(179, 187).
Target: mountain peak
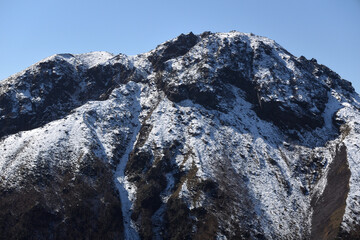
point(216, 135)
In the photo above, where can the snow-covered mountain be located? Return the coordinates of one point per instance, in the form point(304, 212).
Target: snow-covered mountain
point(211, 136)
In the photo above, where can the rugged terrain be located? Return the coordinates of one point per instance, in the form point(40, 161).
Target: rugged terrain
point(211, 136)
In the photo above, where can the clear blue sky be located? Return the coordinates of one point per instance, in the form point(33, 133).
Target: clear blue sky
point(30, 30)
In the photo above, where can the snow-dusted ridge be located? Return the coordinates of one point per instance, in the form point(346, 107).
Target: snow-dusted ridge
point(217, 135)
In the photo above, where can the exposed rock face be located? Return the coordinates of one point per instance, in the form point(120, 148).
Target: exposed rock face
point(329, 208)
point(211, 136)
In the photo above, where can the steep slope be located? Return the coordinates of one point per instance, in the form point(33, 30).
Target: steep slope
point(211, 136)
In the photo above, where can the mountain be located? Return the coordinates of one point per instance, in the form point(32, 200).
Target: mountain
point(210, 136)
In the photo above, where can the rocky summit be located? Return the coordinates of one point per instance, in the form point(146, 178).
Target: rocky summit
point(210, 136)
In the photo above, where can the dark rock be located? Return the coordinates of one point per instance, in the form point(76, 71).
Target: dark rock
point(329, 208)
point(172, 49)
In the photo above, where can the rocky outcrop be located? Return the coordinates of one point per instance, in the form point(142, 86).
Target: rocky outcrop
point(50, 89)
